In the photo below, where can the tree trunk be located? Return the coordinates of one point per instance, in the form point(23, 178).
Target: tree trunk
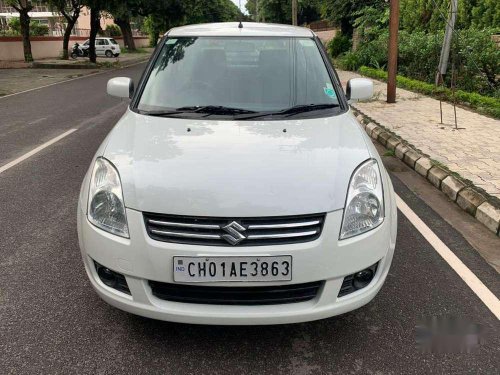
point(128, 39)
point(67, 35)
point(95, 19)
point(156, 36)
point(24, 19)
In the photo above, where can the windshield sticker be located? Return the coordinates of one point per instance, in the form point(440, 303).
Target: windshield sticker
point(329, 91)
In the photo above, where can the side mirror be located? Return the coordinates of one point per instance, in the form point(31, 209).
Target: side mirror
point(121, 87)
point(359, 89)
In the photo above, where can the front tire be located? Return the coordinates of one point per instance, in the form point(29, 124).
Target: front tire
point(108, 53)
point(74, 55)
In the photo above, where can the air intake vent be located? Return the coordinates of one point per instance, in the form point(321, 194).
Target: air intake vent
point(215, 295)
point(234, 231)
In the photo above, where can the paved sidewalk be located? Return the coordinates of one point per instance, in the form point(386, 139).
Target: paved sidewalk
point(124, 59)
point(21, 79)
point(472, 152)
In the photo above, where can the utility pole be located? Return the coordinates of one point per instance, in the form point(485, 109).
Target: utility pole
point(392, 60)
point(448, 36)
point(294, 12)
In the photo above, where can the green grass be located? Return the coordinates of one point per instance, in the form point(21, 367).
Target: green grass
point(389, 153)
point(482, 104)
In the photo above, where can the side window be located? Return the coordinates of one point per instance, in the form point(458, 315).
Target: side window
point(99, 42)
point(105, 42)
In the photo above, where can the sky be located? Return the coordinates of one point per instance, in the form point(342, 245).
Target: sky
point(243, 2)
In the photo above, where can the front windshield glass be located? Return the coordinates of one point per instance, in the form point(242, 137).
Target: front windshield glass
point(252, 74)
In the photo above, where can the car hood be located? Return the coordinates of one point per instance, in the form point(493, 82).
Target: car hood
point(207, 167)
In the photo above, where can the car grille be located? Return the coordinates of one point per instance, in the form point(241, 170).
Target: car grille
point(215, 295)
point(234, 231)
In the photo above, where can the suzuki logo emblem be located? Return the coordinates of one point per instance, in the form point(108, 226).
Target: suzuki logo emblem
point(233, 235)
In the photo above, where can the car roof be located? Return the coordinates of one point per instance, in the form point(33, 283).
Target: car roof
point(248, 29)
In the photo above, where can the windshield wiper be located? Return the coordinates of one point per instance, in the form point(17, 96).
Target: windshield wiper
point(215, 110)
point(292, 110)
point(160, 113)
point(306, 108)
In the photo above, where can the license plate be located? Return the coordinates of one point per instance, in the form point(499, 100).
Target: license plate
point(206, 269)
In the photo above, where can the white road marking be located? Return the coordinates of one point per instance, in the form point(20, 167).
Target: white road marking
point(36, 150)
point(73, 79)
point(484, 294)
point(37, 121)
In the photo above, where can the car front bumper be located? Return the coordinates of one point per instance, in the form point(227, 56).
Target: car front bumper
point(141, 259)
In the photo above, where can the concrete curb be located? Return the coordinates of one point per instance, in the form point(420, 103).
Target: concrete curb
point(88, 65)
point(473, 200)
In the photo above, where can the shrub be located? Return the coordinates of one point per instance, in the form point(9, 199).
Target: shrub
point(484, 104)
point(474, 54)
point(478, 63)
point(338, 45)
point(349, 61)
point(113, 30)
point(374, 53)
point(36, 28)
point(419, 54)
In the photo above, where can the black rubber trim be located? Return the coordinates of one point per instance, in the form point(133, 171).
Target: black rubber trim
point(217, 295)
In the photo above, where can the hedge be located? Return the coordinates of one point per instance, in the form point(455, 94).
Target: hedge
point(483, 104)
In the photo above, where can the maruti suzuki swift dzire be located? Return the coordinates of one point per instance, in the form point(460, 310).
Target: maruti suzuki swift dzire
point(238, 187)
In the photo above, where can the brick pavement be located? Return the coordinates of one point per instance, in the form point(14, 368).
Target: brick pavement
point(472, 152)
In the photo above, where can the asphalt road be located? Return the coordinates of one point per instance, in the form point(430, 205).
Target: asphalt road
point(51, 321)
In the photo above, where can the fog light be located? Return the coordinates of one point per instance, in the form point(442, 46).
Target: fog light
point(362, 278)
point(112, 278)
point(106, 276)
point(358, 280)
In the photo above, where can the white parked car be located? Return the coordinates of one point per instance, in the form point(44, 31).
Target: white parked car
point(104, 47)
point(238, 188)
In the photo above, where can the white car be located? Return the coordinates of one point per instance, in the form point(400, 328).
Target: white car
point(104, 47)
point(238, 188)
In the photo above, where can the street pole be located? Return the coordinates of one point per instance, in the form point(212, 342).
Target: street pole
point(392, 60)
point(448, 36)
point(294, 12)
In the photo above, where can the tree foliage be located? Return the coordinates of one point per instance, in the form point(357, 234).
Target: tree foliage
point(343, 13)
point(431, 15)
point(280, 11)
point(165, 14)
point(70, 9)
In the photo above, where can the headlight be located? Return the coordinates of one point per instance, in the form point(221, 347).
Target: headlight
point(364, 208)
point(106, 209)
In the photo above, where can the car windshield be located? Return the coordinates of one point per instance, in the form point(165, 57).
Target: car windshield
point(113, 41)
point(238, 76)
